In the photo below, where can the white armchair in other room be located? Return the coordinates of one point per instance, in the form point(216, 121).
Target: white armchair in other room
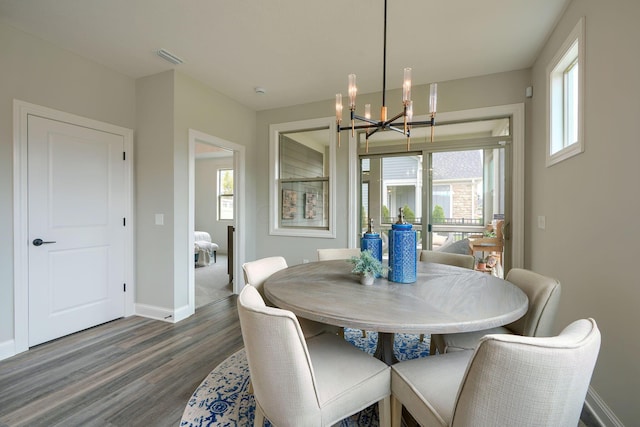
point(204, 248)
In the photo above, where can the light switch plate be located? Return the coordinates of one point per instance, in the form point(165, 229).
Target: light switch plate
point(542, 222)
point(159, 219)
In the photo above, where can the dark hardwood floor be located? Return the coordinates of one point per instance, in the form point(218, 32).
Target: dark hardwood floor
point(129, 372)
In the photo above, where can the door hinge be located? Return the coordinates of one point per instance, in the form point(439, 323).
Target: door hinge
point(124, 287)
point(124, 222)
point(124, 155)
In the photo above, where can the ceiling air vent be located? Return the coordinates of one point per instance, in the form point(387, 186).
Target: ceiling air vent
point(168, 56)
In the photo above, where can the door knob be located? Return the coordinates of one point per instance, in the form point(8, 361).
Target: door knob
point(40, 242)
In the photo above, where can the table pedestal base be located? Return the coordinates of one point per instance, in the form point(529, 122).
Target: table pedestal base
point(384, 348)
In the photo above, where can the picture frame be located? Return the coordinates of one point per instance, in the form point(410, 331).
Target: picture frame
point(289, 204)
point(310, 204)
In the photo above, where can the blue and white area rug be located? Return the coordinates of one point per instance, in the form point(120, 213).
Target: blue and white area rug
point(223, 399)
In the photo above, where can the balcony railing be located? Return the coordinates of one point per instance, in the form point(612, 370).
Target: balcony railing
point(444, 221)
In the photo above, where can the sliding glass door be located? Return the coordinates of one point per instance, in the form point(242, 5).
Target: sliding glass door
point(389, 183)
point(453, 189)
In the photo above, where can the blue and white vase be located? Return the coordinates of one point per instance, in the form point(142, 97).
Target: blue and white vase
point(372, 241)
point(403, 256)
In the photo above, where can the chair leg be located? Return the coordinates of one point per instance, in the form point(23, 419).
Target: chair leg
point(364, 333)
point(214, 257)
point(396, 412)
point(258, 419)
point(432, 347)
point(384, 412)
point(421, 337)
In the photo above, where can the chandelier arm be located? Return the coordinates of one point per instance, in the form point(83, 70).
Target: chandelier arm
point(364, 119)
point(360, 127)
point(394, 118)
point(423, 123)
point(391, 126)
point(368, 134)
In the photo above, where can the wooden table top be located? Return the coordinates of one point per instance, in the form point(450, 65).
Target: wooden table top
point(444, 299)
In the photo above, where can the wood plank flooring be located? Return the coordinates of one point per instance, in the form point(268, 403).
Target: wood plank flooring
point(129, 372)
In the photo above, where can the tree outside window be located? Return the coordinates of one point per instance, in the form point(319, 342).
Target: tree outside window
point(225, 194)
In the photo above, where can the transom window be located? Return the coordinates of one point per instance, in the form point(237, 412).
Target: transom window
point(566, 97)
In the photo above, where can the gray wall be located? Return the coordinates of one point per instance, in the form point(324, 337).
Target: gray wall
point(40, 73)
point(169, 105)
point(155, 191)
point(591, 201)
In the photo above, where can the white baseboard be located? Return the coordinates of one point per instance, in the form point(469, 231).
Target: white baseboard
point(599, 411)
point(182, 313)
point(153, 312)
point(164, 314)
point(7, 349)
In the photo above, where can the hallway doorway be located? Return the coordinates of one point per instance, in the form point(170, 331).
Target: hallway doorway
point(212, 161)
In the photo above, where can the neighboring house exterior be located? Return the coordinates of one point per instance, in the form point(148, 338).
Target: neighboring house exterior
point(457, 173)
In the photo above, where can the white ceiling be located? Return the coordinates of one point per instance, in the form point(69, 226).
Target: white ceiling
point(298, 50)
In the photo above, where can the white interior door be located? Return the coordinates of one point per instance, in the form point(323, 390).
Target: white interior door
point(76, 199)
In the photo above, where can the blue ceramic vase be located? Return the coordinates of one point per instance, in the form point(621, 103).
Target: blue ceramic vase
point(372, 241)
point(403, 256)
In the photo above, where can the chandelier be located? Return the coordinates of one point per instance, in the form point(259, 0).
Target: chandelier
point(372, 126)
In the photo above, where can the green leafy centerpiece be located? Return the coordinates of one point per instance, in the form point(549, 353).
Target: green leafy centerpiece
point(367, 266)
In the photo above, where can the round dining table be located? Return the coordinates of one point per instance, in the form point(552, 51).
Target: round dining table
point(444, 299)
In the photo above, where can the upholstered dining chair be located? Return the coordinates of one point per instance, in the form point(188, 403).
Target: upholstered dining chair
point(509, 380)
point(459, 260)
point(544, 297)
point(337, 253)
point(316, 382)
point(258, 271)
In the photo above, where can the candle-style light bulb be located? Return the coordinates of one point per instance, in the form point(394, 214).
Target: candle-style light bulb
point(367, 111)
point(409, 111)
point(352, 91)
point(433, 97)
point(406, 86)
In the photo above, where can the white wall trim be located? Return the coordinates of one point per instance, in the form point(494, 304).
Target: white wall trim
point(156, 313)
point(21, 111)
point(599, 410)
point(182, 313)
point(274, 197)
point(239, 222)
point(353, 209)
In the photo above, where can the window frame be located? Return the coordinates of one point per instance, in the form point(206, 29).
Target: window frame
point(275, 204)
point(222, 195)
point(569, 55)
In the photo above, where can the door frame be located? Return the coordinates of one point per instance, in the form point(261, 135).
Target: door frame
point(516, 113)
point(239, 217)
point(21, 111)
